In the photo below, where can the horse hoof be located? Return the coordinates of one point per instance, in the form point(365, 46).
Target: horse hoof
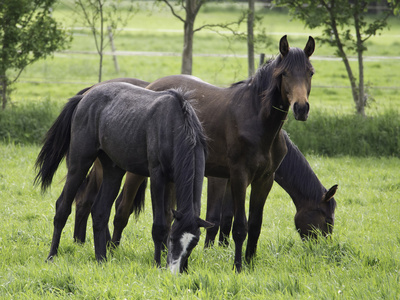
point(237, 268)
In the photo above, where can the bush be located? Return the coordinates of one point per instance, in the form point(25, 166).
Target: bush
point(354, 135)
point(27, 122)
point(322, 133)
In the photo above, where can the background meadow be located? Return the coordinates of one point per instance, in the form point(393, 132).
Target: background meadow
point(360, 261)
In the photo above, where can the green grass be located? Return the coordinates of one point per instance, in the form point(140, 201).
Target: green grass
point(361, 261)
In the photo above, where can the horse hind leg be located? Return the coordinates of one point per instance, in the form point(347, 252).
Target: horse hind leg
point(84, 200)
point(226, 218)
point(125, 205)
point(75, 176)
point(215, 197)
point(101, 208)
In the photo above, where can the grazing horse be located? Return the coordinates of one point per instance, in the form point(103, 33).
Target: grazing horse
point(152, 134)
point(243, 126)
point(315, 205)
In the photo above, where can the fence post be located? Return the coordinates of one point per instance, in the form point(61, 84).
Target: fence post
point(110, 35)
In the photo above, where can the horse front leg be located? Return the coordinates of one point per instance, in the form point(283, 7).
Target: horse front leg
point(226, 217)
point(215, 197)
point(169, 205)
point(239, 230)
point(160, 228)
point(259, 193)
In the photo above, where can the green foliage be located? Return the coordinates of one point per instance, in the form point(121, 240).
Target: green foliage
point(323, 133)
point(28, 32)
point(334, 134)
point(27, 122)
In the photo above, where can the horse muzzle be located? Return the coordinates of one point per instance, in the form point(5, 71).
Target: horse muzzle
point(300, 111)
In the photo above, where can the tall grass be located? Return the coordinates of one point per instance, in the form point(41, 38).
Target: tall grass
point(360, 261)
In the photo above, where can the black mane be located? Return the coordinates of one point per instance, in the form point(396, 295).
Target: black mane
point(265, 83)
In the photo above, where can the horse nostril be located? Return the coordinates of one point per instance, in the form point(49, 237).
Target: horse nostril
point(301, 111)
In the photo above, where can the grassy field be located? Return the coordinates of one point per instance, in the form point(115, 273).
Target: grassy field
point(360, 261)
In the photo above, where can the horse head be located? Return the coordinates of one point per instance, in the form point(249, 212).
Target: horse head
point(311, 220)
point(183, 237)
point(296, 71)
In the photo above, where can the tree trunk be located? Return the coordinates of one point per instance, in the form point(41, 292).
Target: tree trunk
point(101, 39)
point(250, 38)
point(345, 60)
point(187, 55)
point(3, 80)
point(361, 101)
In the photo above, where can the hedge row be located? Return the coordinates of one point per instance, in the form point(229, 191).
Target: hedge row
point(322, 133)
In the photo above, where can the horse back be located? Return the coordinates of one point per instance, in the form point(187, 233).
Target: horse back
point(135, 127)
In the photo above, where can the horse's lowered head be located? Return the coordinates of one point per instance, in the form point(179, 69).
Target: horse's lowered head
point(310, 221)
point(296, 71)
point(183, 237)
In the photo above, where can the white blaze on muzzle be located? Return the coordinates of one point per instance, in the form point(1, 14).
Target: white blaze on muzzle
point(185, 241)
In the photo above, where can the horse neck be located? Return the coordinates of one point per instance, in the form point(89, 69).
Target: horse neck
point(189, 165)
point(297, 178)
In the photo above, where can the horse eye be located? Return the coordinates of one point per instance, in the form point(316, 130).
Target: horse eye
point(311, 74)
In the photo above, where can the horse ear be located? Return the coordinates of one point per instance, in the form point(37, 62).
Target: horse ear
point(329, 194)
point(310, 46)
point(284, 46)
point(177, 215)
point(203, 223)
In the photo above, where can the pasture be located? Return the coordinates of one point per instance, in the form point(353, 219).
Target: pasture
point(360, 261)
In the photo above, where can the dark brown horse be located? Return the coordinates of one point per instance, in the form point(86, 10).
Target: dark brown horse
point(315, 205)
point(243, 124)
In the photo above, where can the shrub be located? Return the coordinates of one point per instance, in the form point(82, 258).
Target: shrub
point(333, 135)
point(27, 122)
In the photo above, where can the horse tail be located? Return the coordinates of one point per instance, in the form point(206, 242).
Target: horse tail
point(56, 144)
point(138, 202)
point(190, 151)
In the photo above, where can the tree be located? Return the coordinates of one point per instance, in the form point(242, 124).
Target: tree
point(96, 14)
point(250, 38)
point(258, 40)
point(27, 33)
point(347, 28)
point(191, 8)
